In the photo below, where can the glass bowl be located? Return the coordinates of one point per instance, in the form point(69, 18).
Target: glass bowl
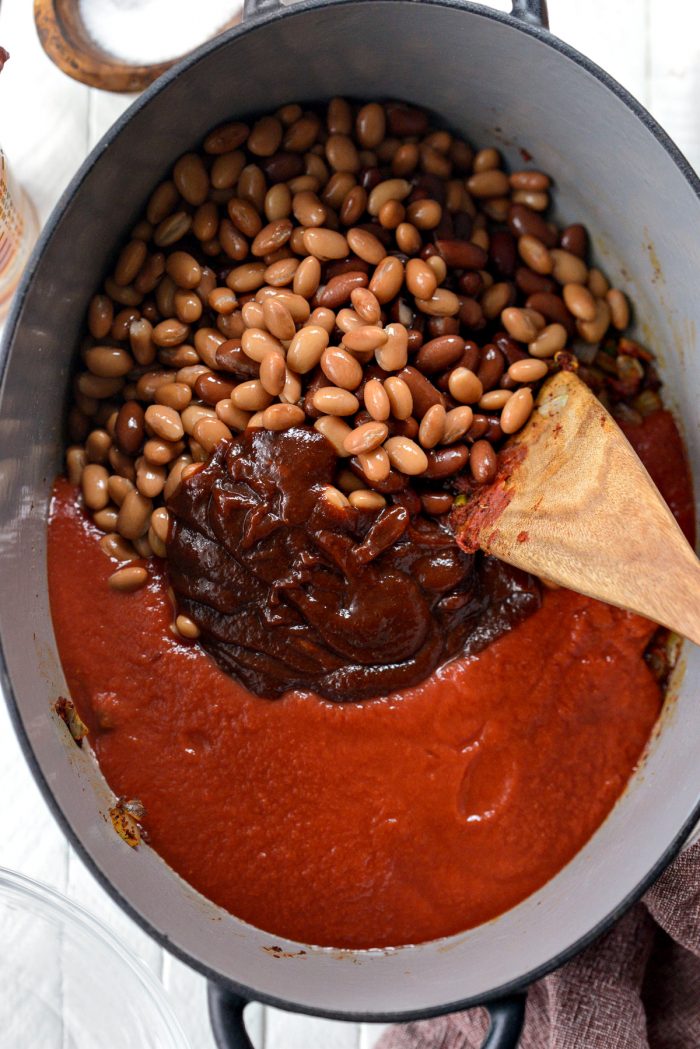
point(69, 983)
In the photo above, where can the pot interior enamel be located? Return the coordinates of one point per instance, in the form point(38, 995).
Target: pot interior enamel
point(494, 82)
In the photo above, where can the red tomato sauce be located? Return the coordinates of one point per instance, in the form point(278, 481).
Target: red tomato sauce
point(387, 822)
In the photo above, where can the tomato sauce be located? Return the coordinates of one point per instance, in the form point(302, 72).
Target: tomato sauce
point(392, 821)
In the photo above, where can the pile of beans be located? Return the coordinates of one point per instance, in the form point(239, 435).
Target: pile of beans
point(351, 269)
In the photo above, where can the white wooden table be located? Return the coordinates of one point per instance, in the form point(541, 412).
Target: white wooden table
point(47, 125)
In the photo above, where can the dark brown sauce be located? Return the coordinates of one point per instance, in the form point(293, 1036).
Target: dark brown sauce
point(292, 592)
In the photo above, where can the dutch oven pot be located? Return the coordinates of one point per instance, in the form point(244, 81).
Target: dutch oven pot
point(493, 78)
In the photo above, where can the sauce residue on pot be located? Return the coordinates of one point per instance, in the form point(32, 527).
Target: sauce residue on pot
point(292, 591)
point(401, 819)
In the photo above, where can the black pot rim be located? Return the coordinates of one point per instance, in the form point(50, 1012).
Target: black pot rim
point(504, 990)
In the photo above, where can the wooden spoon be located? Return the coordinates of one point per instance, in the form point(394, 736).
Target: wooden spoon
point(572, 503)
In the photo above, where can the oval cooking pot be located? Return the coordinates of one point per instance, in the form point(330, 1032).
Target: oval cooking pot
point(493, 78)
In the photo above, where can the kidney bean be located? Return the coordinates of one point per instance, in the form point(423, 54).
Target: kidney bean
point(282, 166)
point(438, 326)
point(230, 357)
point(553, 308)
point(439, 353)
point(339, 288)
point(405, 121)
point(130, 429)
point(462, 254)
point(483, 462)
point(445, 462)
point(575, 239)
point(503, 253)
point(491, 367)
point(530, 282)
point(212, 388)
point(479, 426)
point(424, 394)
point(523, 221)
point(509, 347)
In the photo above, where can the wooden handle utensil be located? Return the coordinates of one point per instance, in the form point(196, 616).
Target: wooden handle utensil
point(573, 503)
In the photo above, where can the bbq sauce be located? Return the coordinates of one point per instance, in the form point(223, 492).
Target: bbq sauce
point(292, 592)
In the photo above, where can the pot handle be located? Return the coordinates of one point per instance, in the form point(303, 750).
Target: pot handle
point(534, 12)
point(506, 1016)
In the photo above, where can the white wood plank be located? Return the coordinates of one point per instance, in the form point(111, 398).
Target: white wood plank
point(675, 72)
point(294, 1031)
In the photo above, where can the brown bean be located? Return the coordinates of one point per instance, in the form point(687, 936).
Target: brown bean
point(308, 277)
point(408, 239)
point(375, 465)
point(325, 243)
point(495, 399)
point(126, 580)
point(226, 137)
point(108, 362)
point(100, 316)
point(535, 181)
point(367, 500)
point(420, 279)
point(341, 153)
point(341, 368)
point(97, 446)
point(171, 332)
point(619, 308)
point(522, 324)
point(387, 279)
point(210, 433)
point(308, 209)
point(76, 460)
point(436, 503)
point(497, 298)
point(483, 462)
point(246, 278)
point(164, 422)
point(272, 237)
point(370, 125)
point(393, 353)
point(191, 179)
point(377, 400)
point(549, 341)
point(283, 416)
point(465, 386)
point(594, 330)
point(440, 353)
point(424, 214)
point(432, 427)
point(280, 274)
point(265, 137)
point(334, 497)
point(365, 338)
point(366, 305)
point(306, 348)
point(406, 456)
point(234, 417)
point(490, 183)
point(106, 520)
point(134, 515)
point(528, 370)
point(335, 430)
point(366, 438)
point(130, 261)
point(160, 452)
point(442, 303)
point(598, 283)
point(119, 487)
point(579, 301)
point(389, 189)
point(150, 478)
point(457, 423)
point(331, 400)
point(568, 268)
point(366, 246)
point(535, 255)
point(94, 486)
point(251, 396)
point(400, 397)
point(534, 200)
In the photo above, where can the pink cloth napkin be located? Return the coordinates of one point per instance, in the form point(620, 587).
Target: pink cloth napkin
point(637, 987)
